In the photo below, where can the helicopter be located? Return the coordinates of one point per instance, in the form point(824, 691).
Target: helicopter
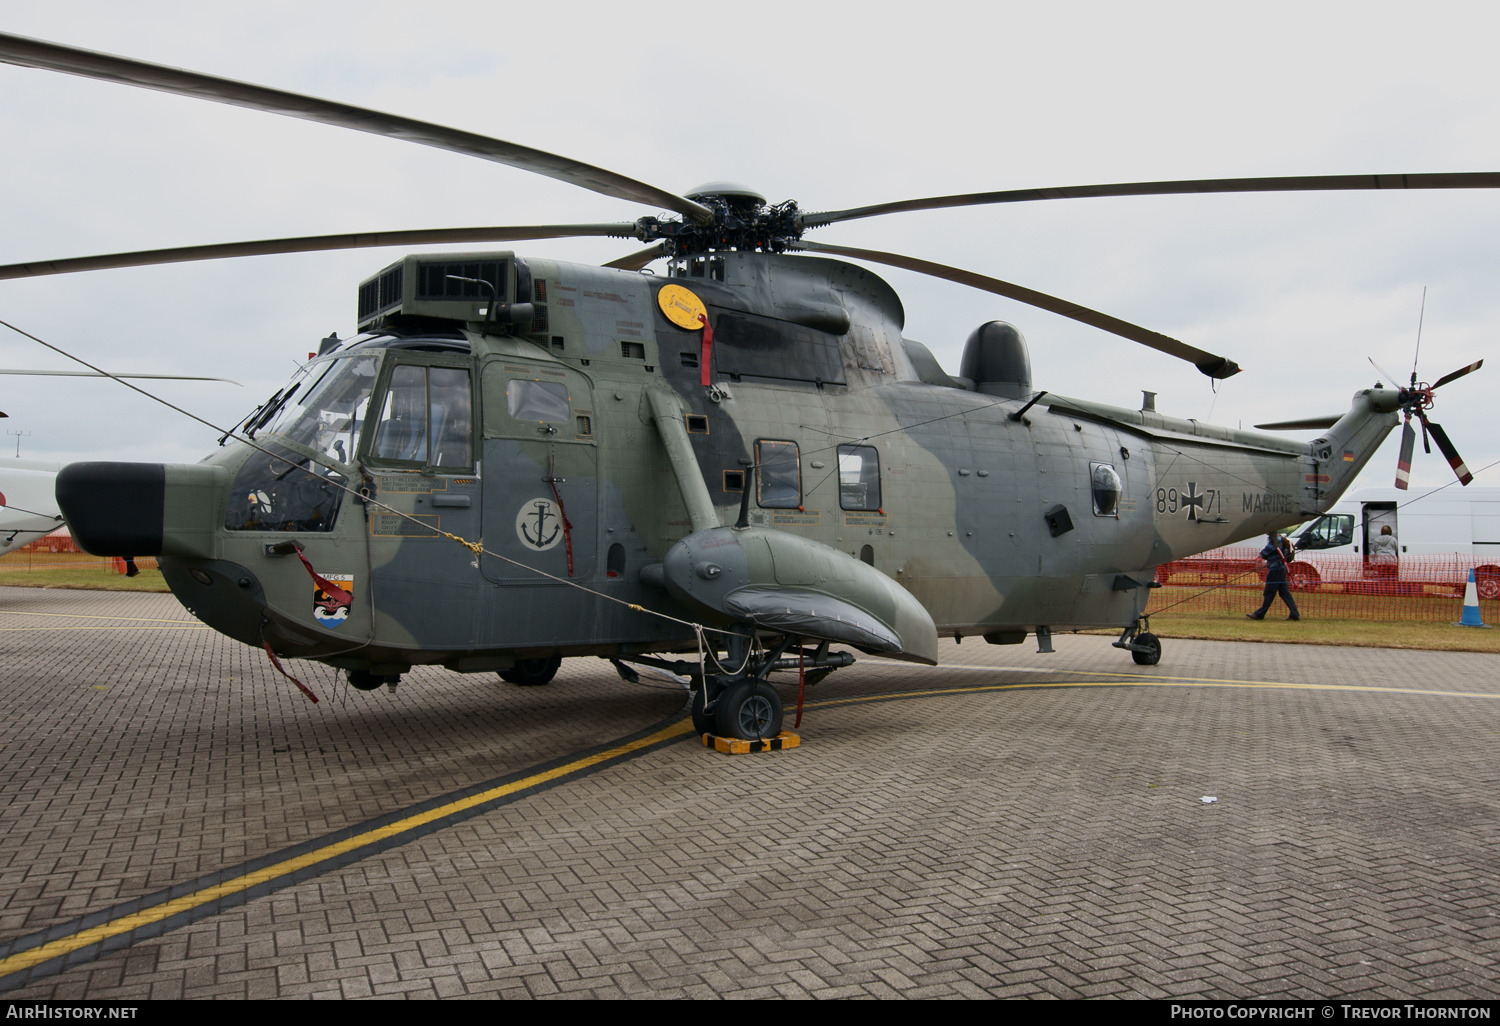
point(515, 460)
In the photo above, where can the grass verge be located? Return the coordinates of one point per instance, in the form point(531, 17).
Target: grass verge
point(83, 578)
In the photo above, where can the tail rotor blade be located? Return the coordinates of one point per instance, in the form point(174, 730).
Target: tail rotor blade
point(1403, 463)
point(1470, 369)
point(1395, 381)
point(1454, 459)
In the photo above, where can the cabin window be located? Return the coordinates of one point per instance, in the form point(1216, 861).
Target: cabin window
point(778, 477)
point(859, 477)
point(426, 417)
point(537, 400)
point(1105, 484)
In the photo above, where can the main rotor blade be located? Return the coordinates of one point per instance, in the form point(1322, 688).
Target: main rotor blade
point(1403, 462)
point(1470, 369)
point(99, 374)
point(1303, 183)
point(639, 259)
point(311, 244)
point(38, 53)
point(1208, 363)
point(1305, 424)
point(1451, 454)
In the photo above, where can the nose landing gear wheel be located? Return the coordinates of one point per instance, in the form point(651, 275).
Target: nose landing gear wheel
point(532, 672)
point(749, 710)
point(364, 680)
point(1152, 655)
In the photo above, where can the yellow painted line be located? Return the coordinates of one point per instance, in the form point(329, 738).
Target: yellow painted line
point(176, 906)
point(1164, 681)
point(1267, 685)
point(91, 616)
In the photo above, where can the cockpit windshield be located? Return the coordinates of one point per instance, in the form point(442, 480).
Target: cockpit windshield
point(326, 409)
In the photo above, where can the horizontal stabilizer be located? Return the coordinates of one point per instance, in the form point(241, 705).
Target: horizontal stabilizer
point(1305, 424)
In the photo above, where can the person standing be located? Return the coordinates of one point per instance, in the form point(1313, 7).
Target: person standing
point(1277, 555)
point(1383, 548)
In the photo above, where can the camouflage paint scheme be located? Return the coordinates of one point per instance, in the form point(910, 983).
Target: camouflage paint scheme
point(960, 526)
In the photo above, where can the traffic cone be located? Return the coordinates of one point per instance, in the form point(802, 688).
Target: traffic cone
point(1471, 617)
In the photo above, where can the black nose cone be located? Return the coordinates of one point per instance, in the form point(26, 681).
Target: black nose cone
point(114, 509)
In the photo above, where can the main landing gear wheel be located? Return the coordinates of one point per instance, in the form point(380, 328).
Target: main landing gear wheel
point(703, 720)
point(1487, 582)
point(532, 672)
point(1152, 654)
point(748, 710)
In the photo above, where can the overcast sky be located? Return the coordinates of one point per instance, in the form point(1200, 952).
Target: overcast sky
point(835, 105)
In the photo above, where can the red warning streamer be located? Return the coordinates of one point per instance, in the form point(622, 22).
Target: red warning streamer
point(341, 598)
point(562, 511)
point(708, 348)
point(276, 663)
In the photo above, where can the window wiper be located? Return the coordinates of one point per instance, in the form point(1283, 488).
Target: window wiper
point(273, 407)
point(246, 421)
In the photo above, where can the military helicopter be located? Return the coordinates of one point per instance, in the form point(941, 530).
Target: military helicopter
point(516, 460)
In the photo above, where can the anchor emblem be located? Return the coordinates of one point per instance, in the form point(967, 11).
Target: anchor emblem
point(538, 525)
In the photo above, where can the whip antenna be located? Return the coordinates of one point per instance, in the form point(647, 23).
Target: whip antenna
point(1422, 314)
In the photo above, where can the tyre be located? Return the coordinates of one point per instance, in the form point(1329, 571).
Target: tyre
point(532, 672)
point(1303, 577)
point(748, 710)
point(363, 680)
point(1152, 655)
point(703, 721)
point(1487, 581)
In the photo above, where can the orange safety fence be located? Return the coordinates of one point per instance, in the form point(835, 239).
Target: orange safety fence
point(1427, 588)
point(60, 552)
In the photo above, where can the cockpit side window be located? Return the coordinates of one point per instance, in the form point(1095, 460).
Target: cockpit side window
point(449, 407)
point(426, 418)
point(401, 433)
point(778, 478)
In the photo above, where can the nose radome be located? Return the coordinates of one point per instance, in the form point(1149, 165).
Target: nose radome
point(142, 509)
point(114, 509)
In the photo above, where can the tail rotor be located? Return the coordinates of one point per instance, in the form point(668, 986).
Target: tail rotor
point(1416, 400)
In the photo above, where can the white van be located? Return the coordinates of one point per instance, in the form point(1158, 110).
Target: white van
point(1377, 532)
